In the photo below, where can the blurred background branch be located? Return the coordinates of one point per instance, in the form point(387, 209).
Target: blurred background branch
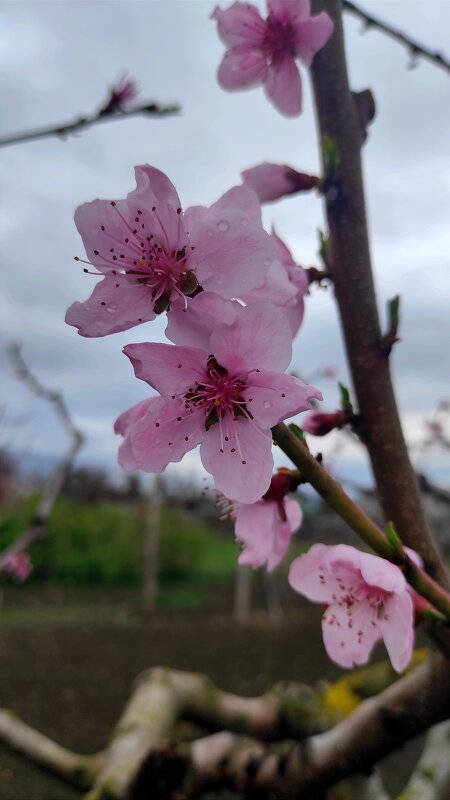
point(37, 529)
point(117, 106)
point(415, 49)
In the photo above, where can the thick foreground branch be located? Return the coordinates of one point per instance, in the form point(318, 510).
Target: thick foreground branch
point(377, 727)
point(142, 754)
point(77, 770)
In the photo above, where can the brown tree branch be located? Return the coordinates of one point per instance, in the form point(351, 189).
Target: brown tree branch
point(333, 493)
point(82, 123)
point(351, 272)
point(77, 770)
point(55, 482)
point(305, 770)
point(414, 48)
point(162, 697)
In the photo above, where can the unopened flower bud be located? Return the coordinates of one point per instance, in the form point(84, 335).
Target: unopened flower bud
point(273, 181)
point(319, 424)
point(120, 96)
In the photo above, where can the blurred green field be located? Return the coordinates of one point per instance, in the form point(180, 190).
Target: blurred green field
point(102, 543)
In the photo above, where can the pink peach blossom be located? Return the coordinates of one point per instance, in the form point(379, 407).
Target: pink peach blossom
point(274, 181)
point(225, 397)
point(264, 51)
point(285, 285)
point(265, 528)
point(150, 255)
point(367, 598)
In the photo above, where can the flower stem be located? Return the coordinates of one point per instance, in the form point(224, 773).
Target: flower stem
point(333, 493)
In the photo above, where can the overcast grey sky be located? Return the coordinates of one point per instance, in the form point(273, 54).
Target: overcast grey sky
point(56, 60)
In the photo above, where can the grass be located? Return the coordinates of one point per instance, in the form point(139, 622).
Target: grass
point(103, 544)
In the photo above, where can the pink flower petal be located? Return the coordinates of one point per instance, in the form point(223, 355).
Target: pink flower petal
point(289, 10)
point(240, 24)
point(193, 326)
point(165, 435)
point(263, 533)
point(101, 227)
point(277, 288)
point(377, 571)
point(309, 575)
point(312, 35)
point(295, 311)
point(242, 70)
point(272, 397)
point(167, 368)
point(232, 251)
point(125, 423)
point(259, 338)
point(240, 198)
point(114, 305)
point(283, 253)
point(294, 514)
point(256, 528)
point(283, 86)
point(154, 190)
point(244, 482)
point(396, 626)
point(349, 639)
point(127, 419)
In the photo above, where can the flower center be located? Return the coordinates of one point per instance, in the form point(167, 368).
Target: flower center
point(220, 394)
point(279, 39)
point(141, 258)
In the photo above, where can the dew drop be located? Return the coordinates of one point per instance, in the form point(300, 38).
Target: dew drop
point(210, 232)
point(223, 225)
point(244, 222)
point(267, 404)
point(267, 262)
point(219, 281)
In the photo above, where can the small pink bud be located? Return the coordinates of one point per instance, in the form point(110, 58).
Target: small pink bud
point(120, 96)
point(273, 181)
point(420, 605)
point(319, 424)
point(281, 483)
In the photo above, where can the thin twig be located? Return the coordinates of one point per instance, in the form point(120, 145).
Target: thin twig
point(414, 48)
point(81, 123)
point(54, 484)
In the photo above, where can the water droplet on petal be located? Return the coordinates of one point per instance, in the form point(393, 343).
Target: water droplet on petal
point(210, 232)
point(267, 404)
point(219, 281)
point(244, 222)
point(223, 225)
point(267, 262)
